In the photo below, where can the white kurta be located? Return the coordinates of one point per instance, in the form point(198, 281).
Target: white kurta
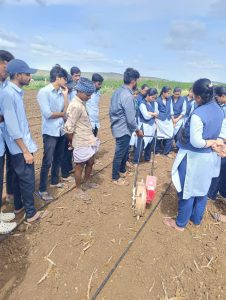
point(165, 128)
point(201, 167)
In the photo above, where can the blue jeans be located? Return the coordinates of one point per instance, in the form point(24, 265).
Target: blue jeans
point(218, 184)
point(9, 173)
point(24, 184)
point(52, 156)
point(66, 165)
point(166, 144)
point(2, 158)
point(138, 151)
point(121, 156)
point(189, 209)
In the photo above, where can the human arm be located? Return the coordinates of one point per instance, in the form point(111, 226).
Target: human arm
point(128, 106)
point(13, 126)
point(196, 134)
point(146, 114)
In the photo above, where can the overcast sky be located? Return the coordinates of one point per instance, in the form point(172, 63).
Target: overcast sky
point(171, 39)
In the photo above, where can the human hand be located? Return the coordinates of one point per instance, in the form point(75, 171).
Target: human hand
point(28, 157)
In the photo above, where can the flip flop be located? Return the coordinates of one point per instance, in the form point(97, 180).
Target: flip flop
point(91, 185)
point(38, 216)
point(121, 181)
point(59, 185)
point(82, 196)
point(45, 196)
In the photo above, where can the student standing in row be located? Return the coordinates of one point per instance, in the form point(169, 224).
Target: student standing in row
point(5, 218)
point(80, 136)
point(53, 102)
point(196, 163)
point(178, 110)
point(75, 74)
point(18, 138)
point(219, 183)
point(148, 111)
point(164, 123)
point(123, 123)
point(190, 104)
point(92, 104)
point(5, 57)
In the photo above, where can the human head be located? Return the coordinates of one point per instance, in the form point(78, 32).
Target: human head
point(58, 76)
point(190, 93)
point(151, 94)
point(165, 92)
point(19, 72)
point(97, 79)
point(203, 91)
point(220, 94)
point(176, 92)
point(75, 73)
point(144, 89)
point(85, 88)
point(130, 77)
point(5, 57)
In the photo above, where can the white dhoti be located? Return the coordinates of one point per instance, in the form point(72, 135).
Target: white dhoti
point(83, 154)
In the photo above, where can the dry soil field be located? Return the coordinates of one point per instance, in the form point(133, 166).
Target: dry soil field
point(79, 243)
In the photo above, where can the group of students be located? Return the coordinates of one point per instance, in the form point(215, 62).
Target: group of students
point(197, 123)
point(69, 107)
point(69, 132)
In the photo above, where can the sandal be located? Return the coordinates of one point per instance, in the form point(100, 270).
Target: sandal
point(219, 217)
point(126, 174)
point(38, 216)
point(172, 224)
point(59, 185)
point(45, 196)
point(121, 181)
point(91, 185)
point(82, 195)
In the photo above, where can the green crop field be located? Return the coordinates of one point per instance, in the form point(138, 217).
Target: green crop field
point(112, 82)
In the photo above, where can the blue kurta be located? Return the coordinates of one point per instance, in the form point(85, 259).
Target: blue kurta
point(202, 163)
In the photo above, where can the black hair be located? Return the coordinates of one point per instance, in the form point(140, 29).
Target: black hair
point(11, 76)
point(97, 78)
point(165, 89)
point(203, 88)
point(75, 70)
point(144, 86)
point(58, 71)
point(152, 92)
point(177, 90)
point(130, 74)
point(220, 90)
point(5, 56)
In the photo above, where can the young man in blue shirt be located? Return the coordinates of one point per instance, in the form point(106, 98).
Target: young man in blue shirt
point(53, 102)
point(92, 104)
point(17, 135)
point(5, 227)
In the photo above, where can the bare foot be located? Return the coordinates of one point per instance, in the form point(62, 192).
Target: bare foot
point(172, 224)
point(38, 216)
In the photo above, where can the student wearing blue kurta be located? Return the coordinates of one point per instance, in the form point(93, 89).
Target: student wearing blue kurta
point(218, 184)
point(123, 123)
point(92, 105)
point(53, 102)
point(178, 110)
point(17, 135)
point(196, 163)
point(190, 104)
point(164, 123)
point(148, 111)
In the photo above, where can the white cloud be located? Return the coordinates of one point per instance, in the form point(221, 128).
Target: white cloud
point(183, 34)
point(204, 64)
point(9, 39)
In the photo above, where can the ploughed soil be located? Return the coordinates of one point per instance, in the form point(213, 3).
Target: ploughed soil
point(68, 254)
